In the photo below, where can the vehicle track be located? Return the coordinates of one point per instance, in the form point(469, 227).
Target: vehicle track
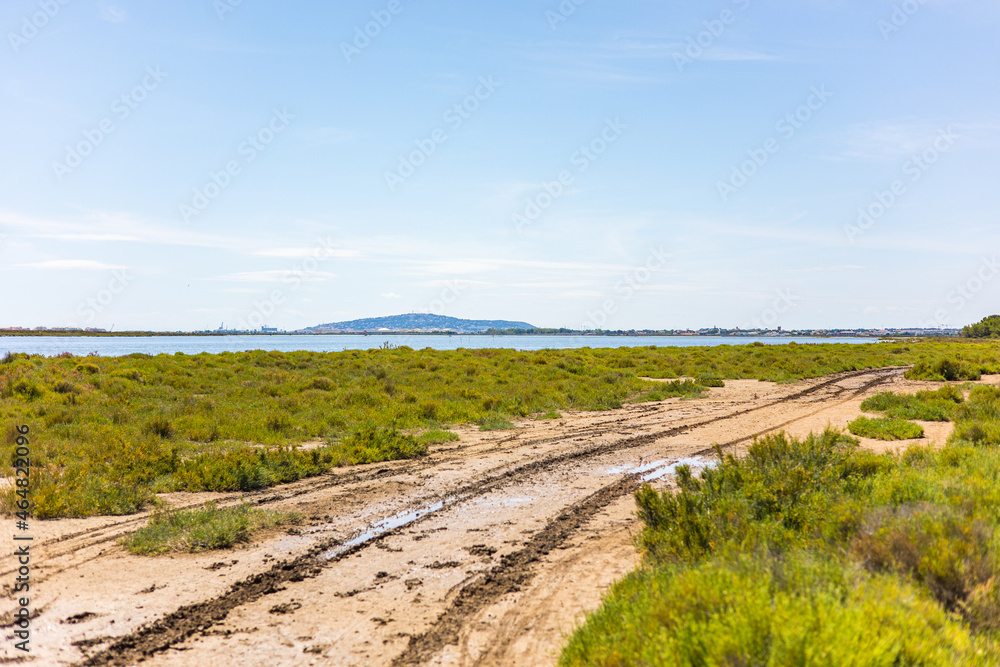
point(513, 571)
point(109, 532)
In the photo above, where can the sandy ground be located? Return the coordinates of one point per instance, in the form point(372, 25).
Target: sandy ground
point(489, 551)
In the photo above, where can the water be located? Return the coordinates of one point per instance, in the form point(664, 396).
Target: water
point(382, 527)
point(661, 468)
point(115, 346)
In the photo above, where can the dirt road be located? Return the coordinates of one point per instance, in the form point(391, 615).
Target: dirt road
point(486, 552)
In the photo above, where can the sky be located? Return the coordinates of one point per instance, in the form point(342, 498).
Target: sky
point(585, 163)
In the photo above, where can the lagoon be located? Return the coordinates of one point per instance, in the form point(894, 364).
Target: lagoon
point(116, 346)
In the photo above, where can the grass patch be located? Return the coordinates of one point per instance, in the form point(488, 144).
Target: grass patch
point(884, 428)
point(815, 552)
point(932, 406)
point(944, 370)
point(495, 423)
point(437, 437)
point(205, 529)
point(551, 414)
point(674, 389)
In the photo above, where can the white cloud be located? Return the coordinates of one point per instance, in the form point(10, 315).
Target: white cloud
point(304, 253)
point(391, 295)
point(277, 276)
point(112, 14)
point(70, 265)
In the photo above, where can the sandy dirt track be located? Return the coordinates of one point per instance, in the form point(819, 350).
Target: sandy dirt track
point(494, 549)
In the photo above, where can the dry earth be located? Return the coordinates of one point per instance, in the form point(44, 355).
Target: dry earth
point(486, 552)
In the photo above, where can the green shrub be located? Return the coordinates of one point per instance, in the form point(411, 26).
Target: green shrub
point(799, 610)
point(203, 529)
point(945, 370)
point(373, 444)
point(885, 429)
point(937, 405)
point(495, 422)
point(437, 437)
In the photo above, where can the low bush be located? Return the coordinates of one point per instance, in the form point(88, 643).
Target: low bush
point(944, 370)
point(939, 405)
point(815, 552)
point(203, 529)
point(885, 429)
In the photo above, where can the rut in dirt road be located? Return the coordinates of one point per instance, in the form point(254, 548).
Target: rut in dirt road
point(514, 571)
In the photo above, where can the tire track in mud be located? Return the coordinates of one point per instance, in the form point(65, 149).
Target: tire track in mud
point(100, 535)
point(513, 571)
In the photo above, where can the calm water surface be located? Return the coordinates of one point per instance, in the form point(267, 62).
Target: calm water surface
point(113, 346)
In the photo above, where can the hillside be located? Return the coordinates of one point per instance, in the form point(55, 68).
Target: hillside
point(416, 322)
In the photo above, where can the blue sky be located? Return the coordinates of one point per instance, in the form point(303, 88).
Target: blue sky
point(628, 164)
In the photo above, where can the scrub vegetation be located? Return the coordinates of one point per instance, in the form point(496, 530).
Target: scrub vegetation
point(110, 432)
point(816, 552)
point(203, 529)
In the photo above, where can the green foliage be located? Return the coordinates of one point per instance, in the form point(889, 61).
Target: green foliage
point(495, 422)
point(776, 496)
point(799, 610)
point(944, 370)
point(710, 381)
point(165, 412)
point(885, 428)
point(249, 469)
point(437, 437)
point(371, 444)
point(551, 414)
point(814, 552)
point(938, 405)
point(988, 327)
point(673, 389)
point(204, 529)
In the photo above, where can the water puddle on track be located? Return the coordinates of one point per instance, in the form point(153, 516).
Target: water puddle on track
point(661, 468)
point(384, 526)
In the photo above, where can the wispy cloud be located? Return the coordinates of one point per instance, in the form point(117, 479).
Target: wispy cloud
point(303, 253)
point(277, 276)
point(112, 14)
point(71, 264)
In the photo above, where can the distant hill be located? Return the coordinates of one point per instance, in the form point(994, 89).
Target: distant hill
point(416, 322)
